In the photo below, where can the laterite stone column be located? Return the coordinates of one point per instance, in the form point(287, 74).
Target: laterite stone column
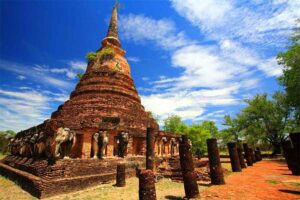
point(234, 157)
point(241, 157)
point(187, 167)
point(150, 154)
point(147, 185)
point(252, 155)
point(247, 154)
point(287, 152)
point(120, 178)
point(295, 137)
point(216, 171)
point(257, 154)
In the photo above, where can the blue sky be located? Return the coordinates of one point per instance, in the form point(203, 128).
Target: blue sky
point(196, 59)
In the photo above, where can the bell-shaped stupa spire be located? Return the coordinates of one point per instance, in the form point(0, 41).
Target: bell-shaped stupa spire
point(112, 33)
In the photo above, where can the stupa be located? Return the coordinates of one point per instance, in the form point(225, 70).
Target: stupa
point(104, 100)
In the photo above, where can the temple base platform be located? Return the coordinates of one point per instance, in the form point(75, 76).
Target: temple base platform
point(43, 178)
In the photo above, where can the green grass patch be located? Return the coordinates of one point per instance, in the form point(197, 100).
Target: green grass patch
point(224, 153)
point(1, 155)
point(274, 182)
point(295, 185)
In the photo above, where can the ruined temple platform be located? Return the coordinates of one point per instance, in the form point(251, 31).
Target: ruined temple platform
point(42, 179)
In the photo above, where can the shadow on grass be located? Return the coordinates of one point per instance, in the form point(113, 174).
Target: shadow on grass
point(173, 197)
point(205, 184)
point(282, 169)
point(290, 191)
point(288, 174)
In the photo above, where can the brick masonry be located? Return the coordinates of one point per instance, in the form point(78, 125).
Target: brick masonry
point(43, 179)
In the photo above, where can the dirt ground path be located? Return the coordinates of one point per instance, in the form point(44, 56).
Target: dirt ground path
point(266, 180)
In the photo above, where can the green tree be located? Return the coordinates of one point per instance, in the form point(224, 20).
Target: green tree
point(174, 124)
point(198, 134)
point(225, 136)
point(290, 60)
point(5, 137)
point(234, 128)
point(266, 119)
point(211, 127)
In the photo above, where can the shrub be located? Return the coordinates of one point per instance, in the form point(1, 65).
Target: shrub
point(106, 53)
point(79, 75)
point(90, 56)
point(119, 68)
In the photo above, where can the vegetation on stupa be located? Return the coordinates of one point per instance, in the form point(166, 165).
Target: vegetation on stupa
point(79, 75)
point(91, 56)
point(105, 53)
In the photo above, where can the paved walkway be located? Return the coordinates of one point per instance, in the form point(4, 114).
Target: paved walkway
point(266, 180)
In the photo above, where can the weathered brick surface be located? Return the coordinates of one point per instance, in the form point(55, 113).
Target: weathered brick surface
point(147, 185)
point(43, 179)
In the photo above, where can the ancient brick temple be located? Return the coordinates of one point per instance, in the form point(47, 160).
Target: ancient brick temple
point(104, 100)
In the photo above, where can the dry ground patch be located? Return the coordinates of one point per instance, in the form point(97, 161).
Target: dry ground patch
point(165, 189)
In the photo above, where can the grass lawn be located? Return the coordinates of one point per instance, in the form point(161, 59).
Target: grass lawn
point(165, 189)
point(1, 155)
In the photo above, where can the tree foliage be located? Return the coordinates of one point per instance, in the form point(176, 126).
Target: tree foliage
point(262, 120)
point(290, 60)
point(5, 137)
point(174, 124)
point(197, 133)
point(211, 127)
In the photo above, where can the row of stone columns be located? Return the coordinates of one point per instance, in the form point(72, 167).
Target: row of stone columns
point(147, 177)
point(291, 150)
point(236, 159)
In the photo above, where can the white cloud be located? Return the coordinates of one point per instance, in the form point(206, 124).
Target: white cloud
point(141, 29)
point(77, 65)
point(145, 78)
point(213, 75)
point(211, 116)
point(71, 72)
point(270, 67)
point(20, 77)
point(34, 73)
point(209, 11)
point(188, 104)
point(268, 23)
point(24, 88)
point(133, 59)
point(26, 108)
